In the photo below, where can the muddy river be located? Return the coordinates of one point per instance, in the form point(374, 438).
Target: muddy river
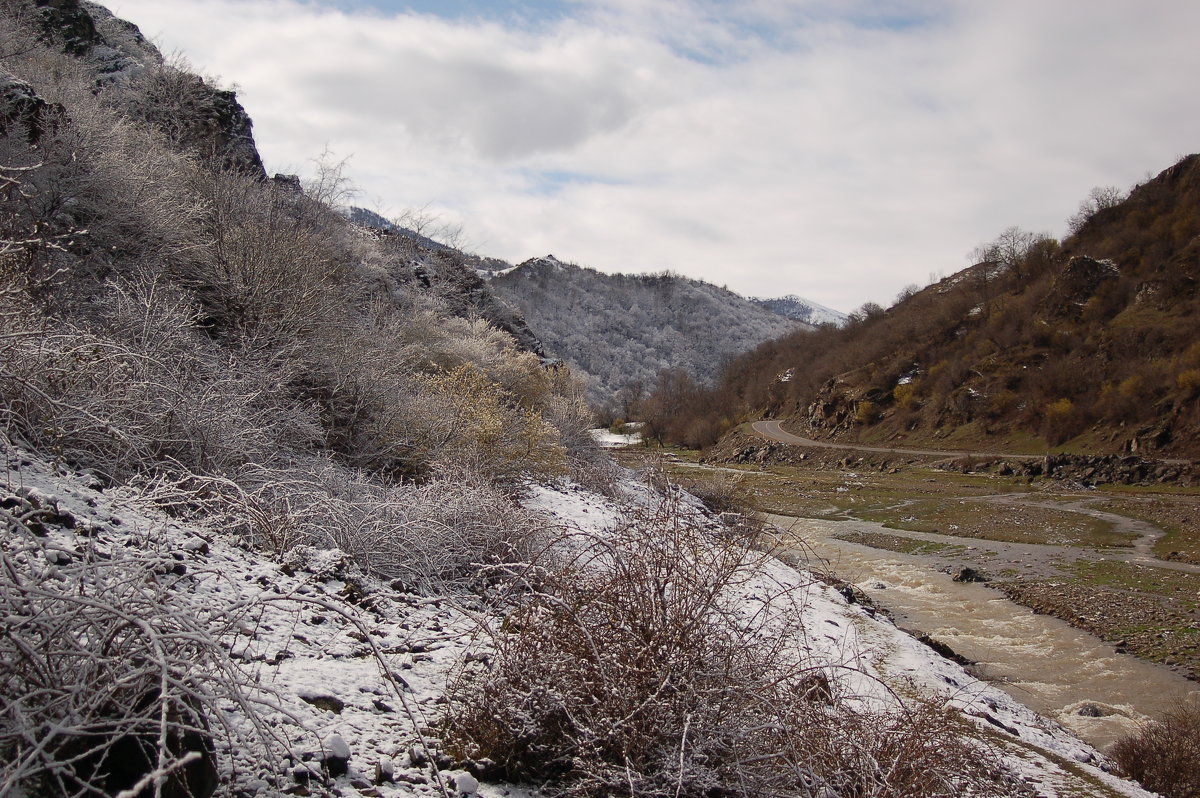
point(1064, 673)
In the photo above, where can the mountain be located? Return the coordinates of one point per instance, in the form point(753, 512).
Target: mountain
point(1089, 344)
point(804, 310)
point(619, 330)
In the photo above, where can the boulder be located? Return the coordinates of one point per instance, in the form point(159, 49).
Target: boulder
point(336, 755)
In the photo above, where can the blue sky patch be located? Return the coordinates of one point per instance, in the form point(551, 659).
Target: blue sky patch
point(548, 182)
point(507, 11)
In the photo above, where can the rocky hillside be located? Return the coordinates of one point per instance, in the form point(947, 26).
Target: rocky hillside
point(619, 331)
point(166, 308)
point(449, 274)
point(1090, 345)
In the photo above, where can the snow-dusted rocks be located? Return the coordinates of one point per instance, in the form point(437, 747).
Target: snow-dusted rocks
point(323, 678)
point(466, 784)
point(336, 757)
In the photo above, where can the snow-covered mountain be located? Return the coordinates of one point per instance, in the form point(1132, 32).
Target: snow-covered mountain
point(620, 329)
point(800, 309)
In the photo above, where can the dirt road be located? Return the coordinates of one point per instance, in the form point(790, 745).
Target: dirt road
point(773, 431)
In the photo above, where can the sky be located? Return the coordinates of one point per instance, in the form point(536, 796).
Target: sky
point(841, 150)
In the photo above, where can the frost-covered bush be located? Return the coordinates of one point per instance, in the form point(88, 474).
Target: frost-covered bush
point(429, 536)
point(163, 319)
point(109, 681)
point(140, 391)
point(632, 667)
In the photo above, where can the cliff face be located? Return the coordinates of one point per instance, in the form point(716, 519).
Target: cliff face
point(195, 115)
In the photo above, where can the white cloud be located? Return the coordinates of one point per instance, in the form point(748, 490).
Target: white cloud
point(836, 150)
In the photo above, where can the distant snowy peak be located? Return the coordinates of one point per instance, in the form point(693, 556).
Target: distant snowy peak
point(548, 262)
point(528, 267)
point(800, 309)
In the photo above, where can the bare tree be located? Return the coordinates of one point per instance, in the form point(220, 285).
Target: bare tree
point(330, 186)
point(429, 224)
point(1009, 250)
point(1098, 199)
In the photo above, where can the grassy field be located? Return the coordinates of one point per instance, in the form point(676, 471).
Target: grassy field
point(918, 499)
point(1176, 511)
point(1152, 612)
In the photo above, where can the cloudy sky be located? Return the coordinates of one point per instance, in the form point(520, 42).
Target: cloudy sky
point(837, 149)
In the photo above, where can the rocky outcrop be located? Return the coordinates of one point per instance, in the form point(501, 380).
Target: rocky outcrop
point(1077, 283)
point(70, 23)
point(195, 115)
point(23, 111)
point(1088, 469)
point(215, 125)
point(834, 409)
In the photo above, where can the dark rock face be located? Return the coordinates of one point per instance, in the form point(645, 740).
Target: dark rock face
point(1089, 469)
point(289, 183)
point(22, 110)
point(1078, 282)
point(69, 22)
point(232, 132)
point(201, 118)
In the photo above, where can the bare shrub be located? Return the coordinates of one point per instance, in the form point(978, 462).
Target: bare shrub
point(630, 668)
point(144, 394)
point(109, 683)
point(431, 537)
point(720, 492)
point(1164, 754)
point(269, 276)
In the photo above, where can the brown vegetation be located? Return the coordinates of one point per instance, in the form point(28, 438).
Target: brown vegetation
point(1092, 341)
point(631, 670)
point(1164, 755)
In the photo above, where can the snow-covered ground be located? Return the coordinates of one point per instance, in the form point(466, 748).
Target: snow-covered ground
point(339, 663)
point(611, 440)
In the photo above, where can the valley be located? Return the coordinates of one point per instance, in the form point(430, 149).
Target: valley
point(1077, 600)
point(298, 499)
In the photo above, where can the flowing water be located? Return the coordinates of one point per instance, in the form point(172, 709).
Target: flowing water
point(1064, 673)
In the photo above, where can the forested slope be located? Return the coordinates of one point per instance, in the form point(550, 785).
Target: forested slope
point(619, 330)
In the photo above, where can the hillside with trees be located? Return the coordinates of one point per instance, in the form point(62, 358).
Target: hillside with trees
point(618, 331)
point(1091, 344)
point(801, 309)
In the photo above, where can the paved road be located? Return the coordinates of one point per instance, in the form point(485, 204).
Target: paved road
point(771, 430)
